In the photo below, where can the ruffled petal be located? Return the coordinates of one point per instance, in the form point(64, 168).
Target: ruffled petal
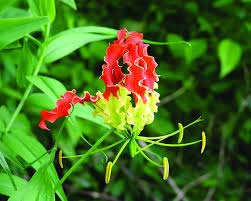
point(63, 107)
point(141, 66)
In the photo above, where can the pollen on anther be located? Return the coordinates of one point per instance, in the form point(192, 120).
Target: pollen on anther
point(181, 132)
point(165, 168)
point(203, 142)
point(108, 172)
point(60, 158)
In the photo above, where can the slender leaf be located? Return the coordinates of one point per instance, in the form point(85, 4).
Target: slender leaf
point(68, 41)
point(29, 149)
point(70, 3)
point(51, 87)
point(4, 4)
point(12, 29)
point(38, 188)
point(25, 66)
point(43, 8)
point(229, 53)
point(40, 101)
point(86, 112)
point(6, 187)
point(55, 89)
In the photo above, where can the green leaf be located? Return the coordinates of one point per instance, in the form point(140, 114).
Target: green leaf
point(177, 50)
point(43, 8)
point(20, 145)
point(6, 187)
point(6, 168)
point(40, 101)
point(13, 12)
point(198, 48)
point(38, 188)
point(229, 53)
point(4, 4)
point(12, 29)
point(70, 3)
point(222, 3)
point(51, 87)
point(68, 41)
point(86, 112)
point(25, 66)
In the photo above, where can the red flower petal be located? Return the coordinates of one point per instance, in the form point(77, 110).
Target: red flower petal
point(141, 66)
point(63, 107)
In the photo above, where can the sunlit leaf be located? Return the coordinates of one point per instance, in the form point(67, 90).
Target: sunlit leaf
point(12, 29)
point(229, 53)
point(6, 187)
point(50, 86)
point(68, 41)
point(25, 66)
point(38, 188)
point(21, 145)
point(43, 8)
point(4, 4)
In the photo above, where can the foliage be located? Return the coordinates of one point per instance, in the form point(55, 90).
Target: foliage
point(48, 47)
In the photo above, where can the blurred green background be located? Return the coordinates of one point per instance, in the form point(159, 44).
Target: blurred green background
point(209, 79)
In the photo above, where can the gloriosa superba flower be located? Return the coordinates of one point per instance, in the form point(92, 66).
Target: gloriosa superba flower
point(129, 100)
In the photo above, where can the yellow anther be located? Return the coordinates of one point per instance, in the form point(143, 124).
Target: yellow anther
point(60, 158)
point(165, 168)
point(108, 172)
point(181, 129)
point(203, 140)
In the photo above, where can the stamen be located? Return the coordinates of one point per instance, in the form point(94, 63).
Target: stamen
point(108, 172)
point(203, 144)
point(60, 158)
point(166, 168)
point(181, 131)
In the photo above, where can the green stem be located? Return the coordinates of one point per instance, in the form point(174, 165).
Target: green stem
point(28, 89)
point(82, 159)
point(34, 40)
point(26, 93)
point(120, 151)
point(167, 43)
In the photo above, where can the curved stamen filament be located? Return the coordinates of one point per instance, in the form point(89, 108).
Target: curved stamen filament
point(173, 133)
point(146, 157)
point(170, 145)
point(98, 150)
point(120, 151)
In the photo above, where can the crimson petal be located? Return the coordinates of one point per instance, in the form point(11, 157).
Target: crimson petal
point(63, 107)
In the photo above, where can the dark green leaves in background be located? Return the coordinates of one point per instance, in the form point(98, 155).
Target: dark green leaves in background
point(208, 75)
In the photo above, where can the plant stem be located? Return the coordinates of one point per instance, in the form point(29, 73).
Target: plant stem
point(82, 159)
point(120, 151)
point(28, 89)
point(26, 94)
